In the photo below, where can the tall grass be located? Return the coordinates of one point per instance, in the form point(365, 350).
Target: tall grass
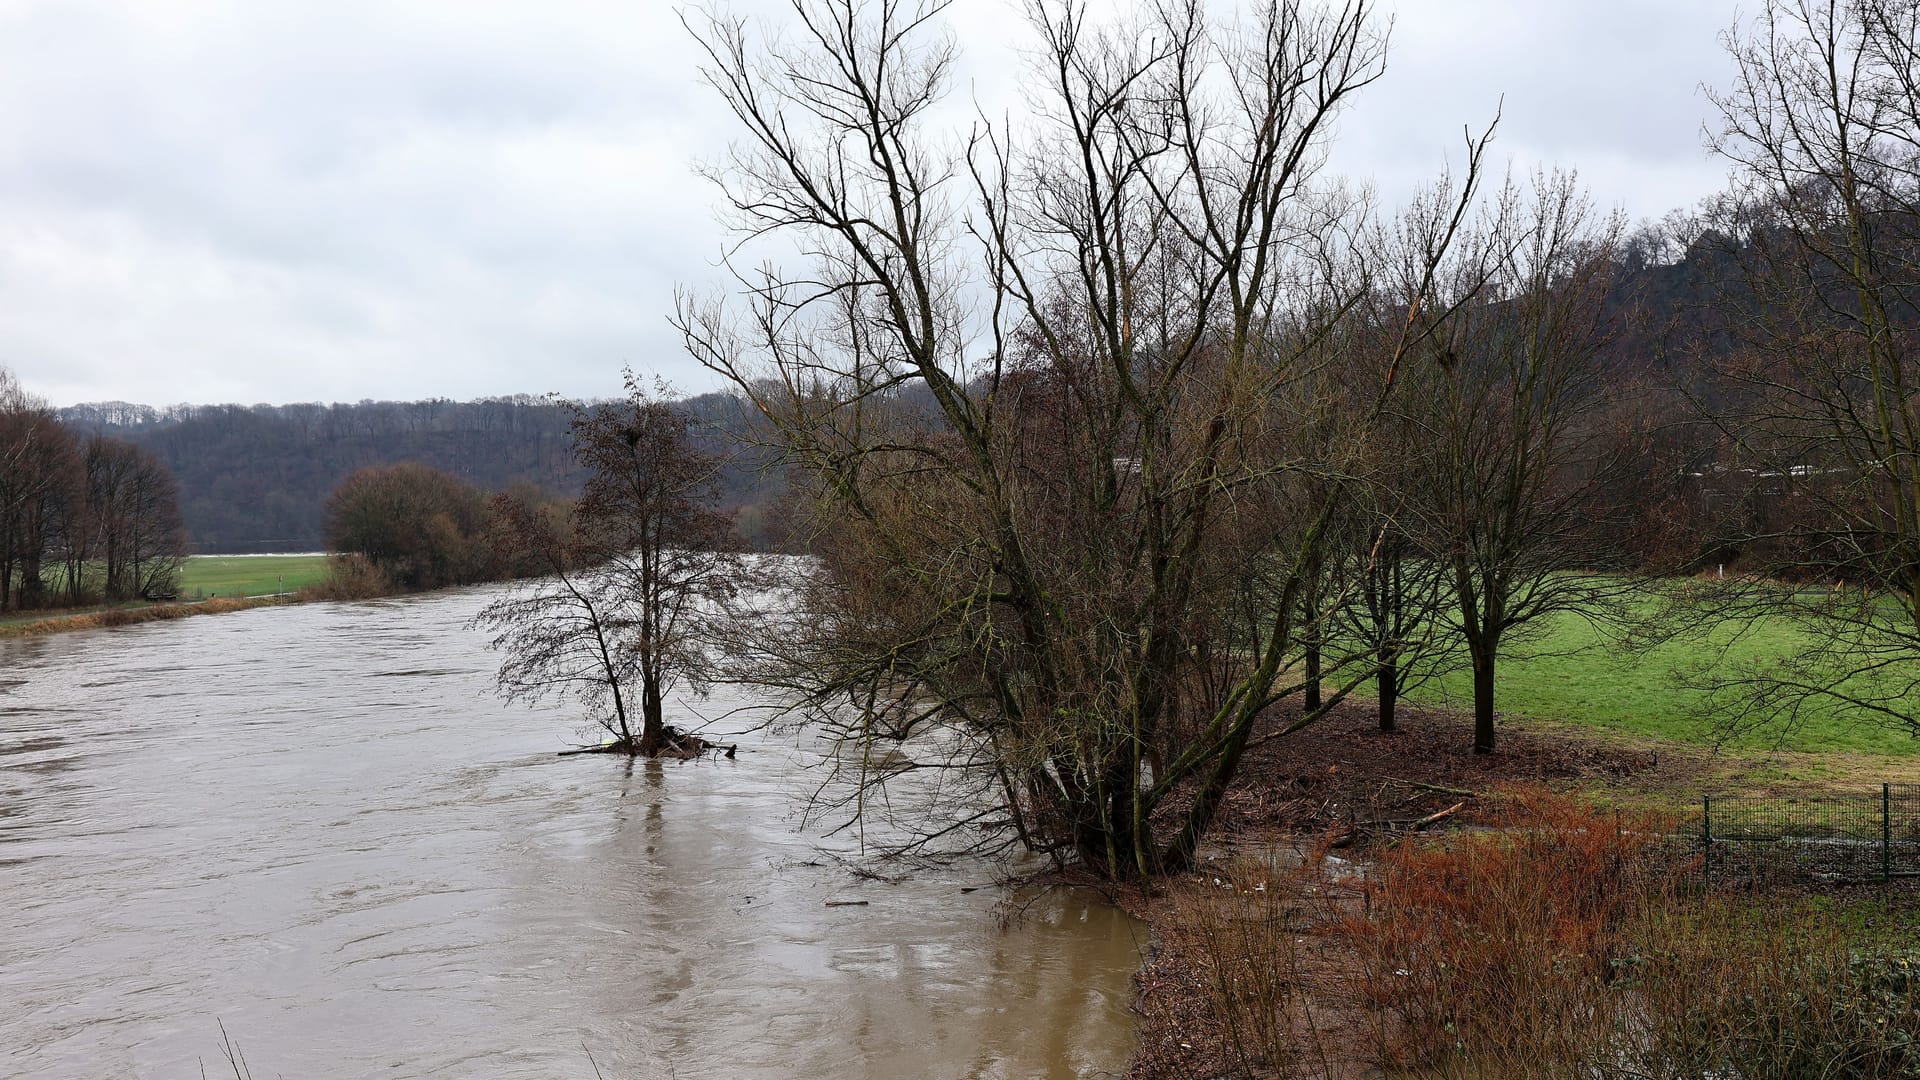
point(1731, 987)
point(1566, 942)
point(1498, 949)
point(351, 577)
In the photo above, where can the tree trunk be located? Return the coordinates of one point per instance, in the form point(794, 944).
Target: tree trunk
point(32, 587)
point(1483, 700)
point(1313, 675)
point(1389, 680)
point(653, 728)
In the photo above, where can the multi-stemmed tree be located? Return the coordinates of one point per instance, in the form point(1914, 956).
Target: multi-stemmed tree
point(1030, 377)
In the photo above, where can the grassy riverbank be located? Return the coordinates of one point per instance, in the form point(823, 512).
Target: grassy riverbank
point(209, 585)
point(37, 624)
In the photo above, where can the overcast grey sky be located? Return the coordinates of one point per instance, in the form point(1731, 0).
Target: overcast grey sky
point(268, 201)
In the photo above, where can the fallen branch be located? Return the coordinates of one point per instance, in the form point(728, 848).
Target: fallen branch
point(1436, 788)
point(1440, 816)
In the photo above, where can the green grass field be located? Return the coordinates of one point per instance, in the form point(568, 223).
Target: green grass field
point(249, 575)
point(1579, 677)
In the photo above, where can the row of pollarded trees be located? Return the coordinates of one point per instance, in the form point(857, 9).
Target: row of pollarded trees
point(82, 519)
point(1188, 401)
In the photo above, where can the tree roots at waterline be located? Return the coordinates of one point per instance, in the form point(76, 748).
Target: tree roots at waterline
point(672, 743)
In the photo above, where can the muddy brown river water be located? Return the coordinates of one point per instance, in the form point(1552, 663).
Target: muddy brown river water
point(314, 826)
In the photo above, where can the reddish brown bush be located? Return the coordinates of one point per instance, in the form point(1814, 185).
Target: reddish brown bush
point(1506, 938)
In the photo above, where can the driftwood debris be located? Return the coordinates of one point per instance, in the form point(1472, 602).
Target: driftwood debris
point(1458, 793)
point(1357, 831)
point(1437, 816)
point(683, 745)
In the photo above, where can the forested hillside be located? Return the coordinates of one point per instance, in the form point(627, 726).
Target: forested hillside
point(255, 478)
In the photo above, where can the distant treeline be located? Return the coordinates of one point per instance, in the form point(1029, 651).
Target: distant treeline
point(255, 478)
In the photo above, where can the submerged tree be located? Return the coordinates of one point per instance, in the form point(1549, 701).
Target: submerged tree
point(561, 633)
point(635, 576)
point(1060, 543)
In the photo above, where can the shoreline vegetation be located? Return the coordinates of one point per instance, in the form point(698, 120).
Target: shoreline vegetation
point(1573, 688)
point(1547, 924)
point(43, 624)
point(1154, 558)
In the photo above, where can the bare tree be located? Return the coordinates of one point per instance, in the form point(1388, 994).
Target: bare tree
point(1521, 448)
point(562, 634)
point(646, 517)
point(1815, 404)
point(37, 470)
point(1038, 431)
point(155, 544)
point(1393, 592)
point(634, 577)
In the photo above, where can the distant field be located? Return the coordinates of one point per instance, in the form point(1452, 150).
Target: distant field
point(1594, 685)
point(249, 575)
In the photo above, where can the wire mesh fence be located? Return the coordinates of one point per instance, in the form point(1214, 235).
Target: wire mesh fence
point(1821, 838)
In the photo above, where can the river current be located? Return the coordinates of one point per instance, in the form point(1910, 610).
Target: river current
point(316, 828)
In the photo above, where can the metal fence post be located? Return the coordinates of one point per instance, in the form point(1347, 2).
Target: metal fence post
point(1706, 836)
point(1886, 833)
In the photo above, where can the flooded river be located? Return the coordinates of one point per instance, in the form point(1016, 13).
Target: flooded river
point(314, 826)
